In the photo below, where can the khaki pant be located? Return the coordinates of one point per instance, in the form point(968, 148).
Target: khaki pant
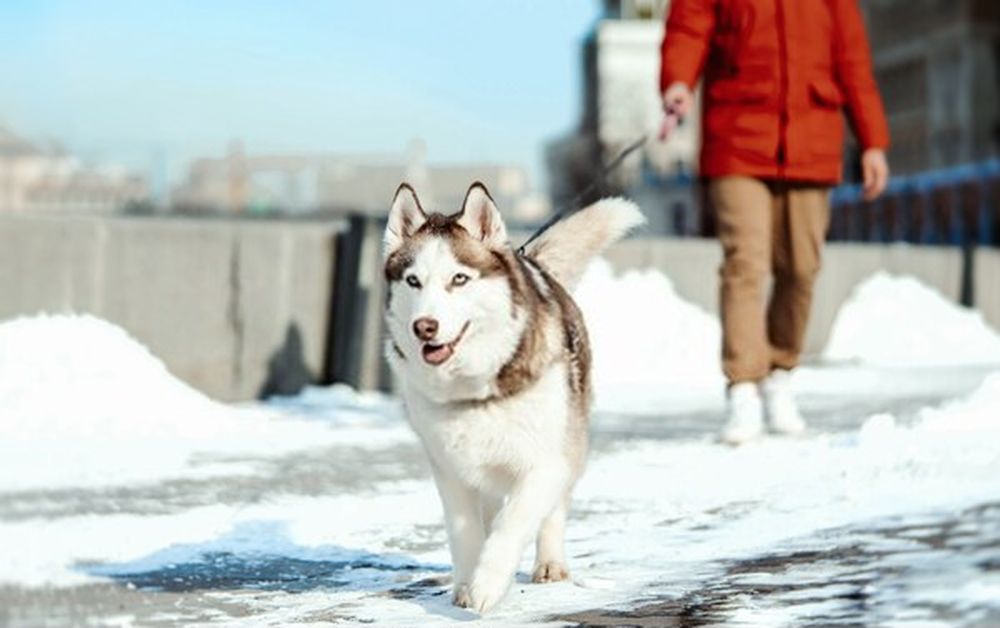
point(767, 229)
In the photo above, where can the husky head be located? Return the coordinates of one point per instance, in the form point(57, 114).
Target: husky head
point(450, 316)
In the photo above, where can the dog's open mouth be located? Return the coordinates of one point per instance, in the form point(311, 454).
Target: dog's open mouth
point(435, 354)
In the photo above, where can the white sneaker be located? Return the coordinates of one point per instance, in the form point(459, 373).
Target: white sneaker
point(746, 414)
point(783, 415)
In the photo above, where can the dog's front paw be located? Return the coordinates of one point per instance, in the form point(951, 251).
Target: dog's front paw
point(486, 590)
point(551, 571)
point(460, 596)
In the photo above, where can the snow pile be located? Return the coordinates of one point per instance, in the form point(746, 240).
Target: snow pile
point(969, 419)
point(898, 321)
point(946, 458)
point(83, 377)
point(651, 347)
point(82, 403)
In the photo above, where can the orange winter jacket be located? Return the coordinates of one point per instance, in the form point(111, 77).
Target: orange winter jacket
point(777, 75)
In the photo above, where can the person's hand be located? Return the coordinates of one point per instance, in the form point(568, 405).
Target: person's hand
point(678, 99)
point(874, 172)
point(677, 102)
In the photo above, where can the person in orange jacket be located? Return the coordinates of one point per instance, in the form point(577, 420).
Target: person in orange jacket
point(777, 76)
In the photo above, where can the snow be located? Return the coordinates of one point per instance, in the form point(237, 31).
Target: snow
point(650, 346)
point(652, 349)
point(99, 408)
point(83, 406)
point(655, 511)
point(898, 321)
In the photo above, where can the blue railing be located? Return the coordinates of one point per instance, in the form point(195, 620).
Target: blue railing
point(950, 206)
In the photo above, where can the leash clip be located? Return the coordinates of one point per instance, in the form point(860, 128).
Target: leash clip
point(570, 209)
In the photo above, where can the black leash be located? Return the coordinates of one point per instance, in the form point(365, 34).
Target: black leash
point(573, 207)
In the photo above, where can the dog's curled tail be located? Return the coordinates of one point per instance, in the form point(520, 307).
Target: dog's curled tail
point(569, 245)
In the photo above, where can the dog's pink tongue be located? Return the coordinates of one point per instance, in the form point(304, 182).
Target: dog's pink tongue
point(436, 354)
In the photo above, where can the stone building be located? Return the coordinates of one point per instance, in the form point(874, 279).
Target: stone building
point(341, 183)
point(938, 65)
point(43, 179)
point(621, 103)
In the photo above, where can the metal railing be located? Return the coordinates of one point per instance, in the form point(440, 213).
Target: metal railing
point(955, 206)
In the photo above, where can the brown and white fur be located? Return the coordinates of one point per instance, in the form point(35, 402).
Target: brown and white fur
point(494, 365)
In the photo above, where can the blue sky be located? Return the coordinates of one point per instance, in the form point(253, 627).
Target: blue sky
point(128, 80)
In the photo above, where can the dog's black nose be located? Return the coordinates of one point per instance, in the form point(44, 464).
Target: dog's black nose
point(425, 328)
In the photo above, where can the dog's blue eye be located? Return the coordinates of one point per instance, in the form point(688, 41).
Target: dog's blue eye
point(460, 279)
point(412, 281)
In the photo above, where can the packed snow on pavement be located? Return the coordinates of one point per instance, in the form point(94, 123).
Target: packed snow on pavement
point(119, 482)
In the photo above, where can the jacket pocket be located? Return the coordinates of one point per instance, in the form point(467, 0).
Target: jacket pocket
point(742, 89)
point(826, 93)
point(823, 133)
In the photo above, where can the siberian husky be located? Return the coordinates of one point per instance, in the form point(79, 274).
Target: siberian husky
point(494, 367)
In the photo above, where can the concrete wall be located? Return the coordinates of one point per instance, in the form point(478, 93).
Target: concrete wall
point(239, 307)
point(692, 265)
point(986, 286)
point(231, 307)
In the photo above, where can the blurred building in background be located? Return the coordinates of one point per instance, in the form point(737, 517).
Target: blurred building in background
point(938, 65)
point(627, 100)
point(47, 179)
point(621, 103)
point(330, 183)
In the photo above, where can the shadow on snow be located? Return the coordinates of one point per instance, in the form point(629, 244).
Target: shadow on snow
point(261, 555)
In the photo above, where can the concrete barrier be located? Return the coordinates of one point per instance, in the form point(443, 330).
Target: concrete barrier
point(986, 285)
point(692, 264)
point(241, 308)
point(235, 308)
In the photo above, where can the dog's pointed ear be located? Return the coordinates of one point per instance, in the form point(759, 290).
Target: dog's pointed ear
point(405, 218)
point(481, 218)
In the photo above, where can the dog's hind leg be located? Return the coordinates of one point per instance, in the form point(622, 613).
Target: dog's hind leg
point(550, 552)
